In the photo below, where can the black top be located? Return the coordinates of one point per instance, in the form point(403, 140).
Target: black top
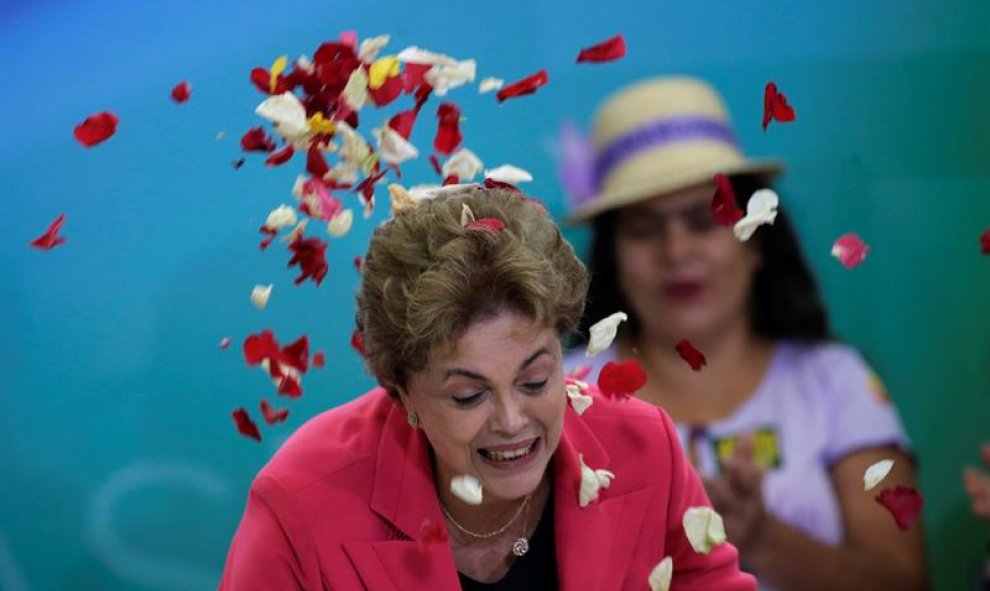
point(536, 570)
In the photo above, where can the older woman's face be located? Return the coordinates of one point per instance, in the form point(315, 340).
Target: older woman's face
point(495, 407)
point(685, 275)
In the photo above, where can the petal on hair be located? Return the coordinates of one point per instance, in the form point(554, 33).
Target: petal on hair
point(466, 488)
point(621, 379)
point(761, 209)
point(401, 199)
point(492, 225)
point(260, 295)
point(659, 579)
point(704, 528)
point(580, 402)
point(467, 216)
point(464, 164)
point(606, 51)
point(489, 84)
point(245, 426)
point(508, 174)
point(603, 333)
point(875, 473)
point(903, 502)
point(690, 354)
point(592, 483)
point(850, 250)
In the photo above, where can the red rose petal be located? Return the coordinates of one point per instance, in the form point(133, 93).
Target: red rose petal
point(271, 232)
point(523, 87)
point(96, 129)
point(451, 180)
point(775, 106)
point(448, 133)
point(181, 92)
point(316, 164)
point(724, 208)
point(271, 415)
point(319, 359)
point(387, 92)
point(985, 242)
point(493, 184)
point(357, 342)
point(256, 140)
point(431, 534)
point(689, 353)
point(296, 354)
point(289, 386)
point(850, 250)
point(903, 502)
point(50, 239)
point(413, 76)
point(281, 157)
point(621, 379)
point(261, 79)
point(358, 262)
point(605, 51)
point(245, 426)
point(261, 346)
point(310, 255)
point(436, 164)
point(492, 225)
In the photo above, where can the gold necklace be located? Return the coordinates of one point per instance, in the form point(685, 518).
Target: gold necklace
point(519, 547)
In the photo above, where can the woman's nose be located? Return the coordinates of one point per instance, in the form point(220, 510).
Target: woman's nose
point(509, 417)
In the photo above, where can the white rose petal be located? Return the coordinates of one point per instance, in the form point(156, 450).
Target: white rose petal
point(287, 114)
point(490, 84)
point(592, 481)
point(464, 163)
point(704, 528)
point(467, 216)
point(260, 295)
point(415, 55)
point(508, 174)
point(603, 333)
point(659, 579)
point(762, 209)
point(303, 63)
point(466, 488)
point(580, 402)
point(340, 225)
point(354, 149)
point(369, 48)
point(443, 77)
point(355, 92)
point(295, 232)
point(282, 216)
point(393, 148)
point(875, 473)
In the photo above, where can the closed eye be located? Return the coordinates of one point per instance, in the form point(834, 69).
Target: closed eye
point(536, 386)
point(466, 401)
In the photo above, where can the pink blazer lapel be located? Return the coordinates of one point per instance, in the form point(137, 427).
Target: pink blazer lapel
point(594, 544)
point(401, 566)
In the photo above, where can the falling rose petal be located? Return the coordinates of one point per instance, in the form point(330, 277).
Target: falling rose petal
point(448, 136)
point(850, 250)
point(237, 164)
point(281, 156)
point(181, 92)
point(435, 163)
point(287, 114)
point(401, 199)
point(259, 347)
point(355, 94)
point(220, 136)
point(319, 359)
point(579, 401)
point(903, 502)
point(775, 106)
point(96, 129)
point(296, 232)
point(403, 122)
point(451, 180)
point(875, 473)
point(523, 87)
point(466, 488)
point(508, 174)
point(387, 92)
point(621, 379)
point(357, 342)
point(985, 241)
point(431, 534)
point(296, 354)
point(271, 233)
point(225, 343)
point(271, 415)
point(492, 225)
point(580, 372)
point(592, 482)
point(290, 386)
point(490, 84)
point(245, 426)
point(260, 295)
point(256, 140)
point(310, 255)
point(603, 332)
point(358, 263)
point(341, 223)
point(467, 216)
point(761, 209)
point(50, 239)
point(724, 208)
point(689, 353)
point(704, 528)
point(316, 164)
point(369, 48)
point(659, 578)
point(392, 147)
point(260, 78)
point(444, 77)
point(605, 51)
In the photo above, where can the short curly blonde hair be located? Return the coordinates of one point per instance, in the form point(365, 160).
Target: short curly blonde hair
point(427, 278)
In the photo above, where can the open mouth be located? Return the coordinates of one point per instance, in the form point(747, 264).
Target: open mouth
point(507, 456)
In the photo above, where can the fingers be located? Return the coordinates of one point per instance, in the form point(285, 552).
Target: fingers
point(719, 493)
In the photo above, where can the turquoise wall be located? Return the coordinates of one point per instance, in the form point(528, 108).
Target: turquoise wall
point(120, 464)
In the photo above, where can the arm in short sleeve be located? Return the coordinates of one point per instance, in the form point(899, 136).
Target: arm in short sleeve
point(718, 569)
point(860, 414)
point(271, 550)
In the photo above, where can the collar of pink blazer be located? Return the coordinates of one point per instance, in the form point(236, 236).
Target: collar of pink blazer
point(593, 544)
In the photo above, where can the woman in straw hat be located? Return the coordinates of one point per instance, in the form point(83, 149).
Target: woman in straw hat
point(469, 468)
point(781, 421)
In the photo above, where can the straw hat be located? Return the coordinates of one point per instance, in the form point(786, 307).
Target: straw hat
point(658, 136)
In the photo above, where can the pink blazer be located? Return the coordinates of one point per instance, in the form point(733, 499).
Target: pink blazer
point(341, 504)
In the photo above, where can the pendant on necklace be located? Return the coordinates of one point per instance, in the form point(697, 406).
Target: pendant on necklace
point(520, 546)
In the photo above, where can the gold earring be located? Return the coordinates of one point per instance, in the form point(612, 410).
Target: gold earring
point(413, 419)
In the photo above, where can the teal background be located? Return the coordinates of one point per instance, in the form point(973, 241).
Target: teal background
point(121, 469)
